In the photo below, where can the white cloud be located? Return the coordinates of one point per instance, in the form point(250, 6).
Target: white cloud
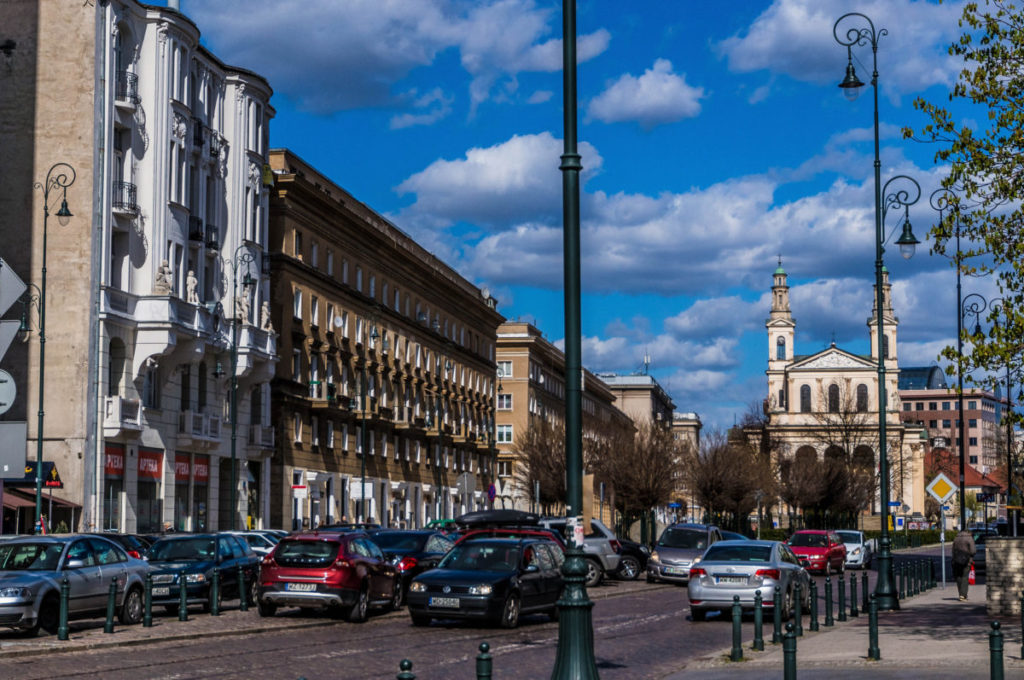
point(435, 100)
point(540, 96)
point(657, 97)
point(712, 316)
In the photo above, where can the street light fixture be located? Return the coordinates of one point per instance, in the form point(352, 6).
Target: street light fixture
point(243, 258)
point(885, 592)
point(59, 177)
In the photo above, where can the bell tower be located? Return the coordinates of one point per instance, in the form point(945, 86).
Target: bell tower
point(781, 332)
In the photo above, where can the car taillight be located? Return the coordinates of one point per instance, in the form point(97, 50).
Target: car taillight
point(697, 571)
point(342, 564)
point(135, 554)
point(406, 563)
point(616, 546)
point(267, 560)
point(768, 573)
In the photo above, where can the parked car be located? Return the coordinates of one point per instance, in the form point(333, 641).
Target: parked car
point(494, 580)
point(633, 559)
point(980, 537)
point(133, 544)
point(859, 550)
point(32, 569)
point(733, 536)
point(504, 523)
point(679, 547)
point(412, 552)
point(343, 572)
point(731, 568)
point(260, 543)
point(600, 547)
point(823, 550)
point(193, 557)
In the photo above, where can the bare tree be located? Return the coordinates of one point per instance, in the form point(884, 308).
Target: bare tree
point(644, 468)
point(540, 457)
point(726, 475)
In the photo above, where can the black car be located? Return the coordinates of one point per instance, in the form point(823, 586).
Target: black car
point(633, 560)
point(412, 552)
point(193, 557)
point(493, 580)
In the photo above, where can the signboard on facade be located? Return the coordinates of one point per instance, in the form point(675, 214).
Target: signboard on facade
point(150, 464)
point(113, 461)
point(201, 469)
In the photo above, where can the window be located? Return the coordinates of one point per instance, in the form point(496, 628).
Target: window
point(780, 348)
point(344, 324)
point(330, 263)
point(297, 304)
point(972, 441)
point(805, 399)
point(330, 317)
point(972, 405)
point(933, 423)
point(504, 369)
point(398, 300)
point(504, 468)
point(862, 398)
point(314, 430)
point(297, 252)
point(504, 434)
point(945, 424)
point(885, 346)
point(945, 406)
point(330, 434)
point(314, 254)
point(297, 427)
point(151, 387)
point(933, 406)
point(186, 386)
point(972, 422)
point(974, 460)
point(906, 406)
point(833, 398)
point(359, 279)
point(504, 402)
point(344, 271)
point(373, 286)
point(919, 406)
point(314, 311)
point(315, 391)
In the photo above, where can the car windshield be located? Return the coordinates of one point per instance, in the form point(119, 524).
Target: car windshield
point(399, 540)
point(293, 553)
point(809, 541)
point(738, 553)
point(477, 557)
point(30, 556)
point(849, 536)
point(683, 538)
point(183, 550)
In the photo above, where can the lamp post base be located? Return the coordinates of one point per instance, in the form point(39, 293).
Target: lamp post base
point(885, 590)
point(575, 657)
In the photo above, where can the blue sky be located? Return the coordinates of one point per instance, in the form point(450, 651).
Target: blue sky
point(713, 138)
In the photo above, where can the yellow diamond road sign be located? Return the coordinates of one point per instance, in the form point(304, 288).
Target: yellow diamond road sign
point(941, 488)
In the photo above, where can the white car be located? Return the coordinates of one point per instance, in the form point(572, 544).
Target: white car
point(859, 550)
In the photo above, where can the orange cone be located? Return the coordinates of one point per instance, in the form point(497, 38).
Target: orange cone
point(970, 576)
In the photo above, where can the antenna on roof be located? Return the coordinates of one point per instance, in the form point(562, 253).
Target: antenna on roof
point(647, 362)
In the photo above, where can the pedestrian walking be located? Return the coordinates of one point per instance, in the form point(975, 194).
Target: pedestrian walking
point(963, 560)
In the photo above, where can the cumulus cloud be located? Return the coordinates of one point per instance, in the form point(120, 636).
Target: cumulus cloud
point(540, 96)
point(657, 97)
point(437, 104)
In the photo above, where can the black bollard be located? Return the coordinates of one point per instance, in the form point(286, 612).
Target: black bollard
point(182, 597)
point(147, 603)
point(777, 616)
point(915, 581)
point(65, 594)
point(842, 597)
point(814, 606)
point(828, 602)
point(758, 622)
point(215, 593)
point(901, 591)
point(864, 591)
point(736, 654)
point(931, 574)
point(405, 668)
point(798, 609)
point(789, 653)
point(853, 596)
point(873, 651)
point(108, 626)
point(995, 652)
point(484, 662)
point(243, 603)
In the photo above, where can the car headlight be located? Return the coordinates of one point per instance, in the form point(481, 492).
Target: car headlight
point(856, 551)
point(16, 593)
point(483, 589)
point(654, 556)
point(697, 559)
point(195, 578)
point(417, 587)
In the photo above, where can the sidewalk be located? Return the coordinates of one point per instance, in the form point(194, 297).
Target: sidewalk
point(933, 635)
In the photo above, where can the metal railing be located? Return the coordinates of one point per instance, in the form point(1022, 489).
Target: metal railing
point(197, 133)
point(125, 197)
point(195, 228)
point(212, 237)
point(126, 88)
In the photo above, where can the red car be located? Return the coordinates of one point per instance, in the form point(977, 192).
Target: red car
point(345, 573)
point(824, 551)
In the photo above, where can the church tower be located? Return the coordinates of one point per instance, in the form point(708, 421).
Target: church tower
point(781, 332)
point(888, 343)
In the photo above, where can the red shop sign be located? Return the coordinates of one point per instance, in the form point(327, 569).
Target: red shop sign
point(201, 470)
point(150, 464)
point(113, 463)
point(181, 468)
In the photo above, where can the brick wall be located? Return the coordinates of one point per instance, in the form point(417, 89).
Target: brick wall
point(1004, 575)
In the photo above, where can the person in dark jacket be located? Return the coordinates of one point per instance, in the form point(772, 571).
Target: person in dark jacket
point(963, 558)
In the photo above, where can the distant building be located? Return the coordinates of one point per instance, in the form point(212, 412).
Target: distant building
point(641, 397)
point(686, 427)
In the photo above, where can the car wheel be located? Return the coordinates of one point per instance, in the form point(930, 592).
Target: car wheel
point(49, 616)
point(131, 608)
point(828, 568)
point(594, 574)
point(650, 578)
point(629, 568)
point(787, 605)
point(254, 591)
point(842, 567)
point(266, 609)
point(419, 619)
point(396, 596)
point(510, 612)
point(806, 604)
point(208, 604)
point(553, 614)
point(698, 614)
point(357, 614)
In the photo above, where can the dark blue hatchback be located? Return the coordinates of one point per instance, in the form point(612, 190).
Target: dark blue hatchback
point(192, 558)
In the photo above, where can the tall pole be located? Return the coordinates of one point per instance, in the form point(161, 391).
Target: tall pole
point(575, 657)
point(61, 181)
point(1011, 518)
point(362, 446)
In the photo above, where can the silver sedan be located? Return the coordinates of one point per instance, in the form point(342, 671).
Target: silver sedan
point(730, 568)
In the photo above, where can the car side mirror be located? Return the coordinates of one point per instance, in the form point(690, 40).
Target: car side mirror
point(531, 568)
point(74, 564)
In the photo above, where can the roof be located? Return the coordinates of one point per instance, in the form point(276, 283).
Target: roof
point(922, 378)
point(944, 460)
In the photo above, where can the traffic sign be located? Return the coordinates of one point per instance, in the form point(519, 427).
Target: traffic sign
point(894, 504)
point(12, 433)
point(941, 488)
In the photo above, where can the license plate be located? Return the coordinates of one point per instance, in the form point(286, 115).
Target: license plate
point(677, 570)
point(157, 592)
point(732, 579)
point(449, 602)
point(301, 587)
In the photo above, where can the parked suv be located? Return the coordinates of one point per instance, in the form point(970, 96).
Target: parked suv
point(679, 548)
point(600, 548)
point(821, 550)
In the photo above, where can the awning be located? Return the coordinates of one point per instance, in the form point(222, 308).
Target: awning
point(14, 502)
point(31, 499)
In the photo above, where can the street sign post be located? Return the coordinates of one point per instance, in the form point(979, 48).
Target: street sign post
point(942, 489)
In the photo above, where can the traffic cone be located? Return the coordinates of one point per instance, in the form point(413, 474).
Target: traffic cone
point(970, 576)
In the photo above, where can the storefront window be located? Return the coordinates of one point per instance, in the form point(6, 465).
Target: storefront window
point(113, 486)
point(150, 501)
point(200, 492)
point(182, 468)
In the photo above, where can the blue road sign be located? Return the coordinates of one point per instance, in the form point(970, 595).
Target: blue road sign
point(894, 504)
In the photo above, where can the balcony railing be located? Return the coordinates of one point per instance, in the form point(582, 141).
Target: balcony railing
point(215, 144)
point(125, 197)
point(212, 237)
point(199, 425)
point(197, 134)
point(122, 414)
point(261, 436)
point(127, 88)
point(195, 228)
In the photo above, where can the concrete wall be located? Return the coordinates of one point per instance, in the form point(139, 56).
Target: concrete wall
point(1004, 575)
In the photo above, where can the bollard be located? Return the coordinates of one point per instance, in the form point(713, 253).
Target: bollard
point(814, 606)
point(853, 596)
point(108, 626)
point(901, 591)
point(842, 598)
point(483, 662)
point(864, 591)
point(736, 654)
point(915, 578)
point(147, 603)
point(995, 652)
point(873, 652)
point(777, 616)
point(828, 602)
point(65, 594)
point(758, 622)
point(182, 597)
point(931, 574)
point(798, 609)
point(406, 671)
point(215, 593)
point(789, 654)
point(243, 603)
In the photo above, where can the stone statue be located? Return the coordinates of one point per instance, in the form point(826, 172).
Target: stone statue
point(162, 283)
point(265, 322)
point(243, 306)
point(191, 283)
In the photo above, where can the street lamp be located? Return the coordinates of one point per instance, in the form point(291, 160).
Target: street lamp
point(60, 176)
point(242, 258)
point(885, 592)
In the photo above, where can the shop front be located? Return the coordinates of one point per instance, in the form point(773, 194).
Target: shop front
point(149, 499)
point(113, 486)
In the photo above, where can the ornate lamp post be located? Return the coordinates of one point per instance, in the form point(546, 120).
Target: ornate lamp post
point(59, 177)
point(885, 593)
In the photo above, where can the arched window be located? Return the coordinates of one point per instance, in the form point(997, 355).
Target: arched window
point(885, 346)
point(780, 348)
point(805, 399)
point(862, 398)
point(833, 398)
